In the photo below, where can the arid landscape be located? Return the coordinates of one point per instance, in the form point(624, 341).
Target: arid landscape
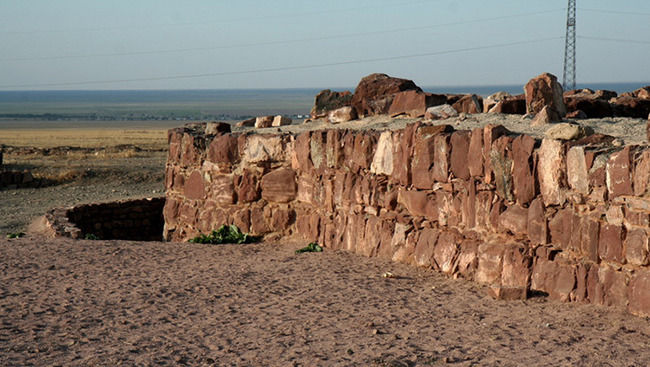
point(78, 302)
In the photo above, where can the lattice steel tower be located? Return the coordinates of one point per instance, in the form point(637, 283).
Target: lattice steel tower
point(569, 81)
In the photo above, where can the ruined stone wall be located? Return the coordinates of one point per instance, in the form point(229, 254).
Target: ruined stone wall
point(137, 220)
point(570, 219)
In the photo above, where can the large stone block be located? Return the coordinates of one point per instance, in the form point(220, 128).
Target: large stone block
point(619, 181)
point(424, 249)
point(223, 149)
point(301, 159)
point(262, 148)
point(490, 263)
point(333, 149)
point(404, 147)
point(537, 228)
point(544, 90)
point(247, 186)
point(555, 278)
point(446, 250)
point(475, 152)
point(414, 103)
point(577, 171)
point(194, 188)
point(279, 186)
point(610, 243)
point(560, 227)
point(467, 262)
point(418, 203)
point(422, 162)
point(523, 169)
point(614, 286)
point(441, 151)
point(636, 247)
point(515, 220)
point(501, 166)
point(516, 267)
point(638, 294)
point(382, 162)
point(222, 190)
point(551, 172)
point(459, 157)
point(642, 173)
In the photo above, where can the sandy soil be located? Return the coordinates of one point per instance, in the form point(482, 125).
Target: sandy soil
point(80, 303)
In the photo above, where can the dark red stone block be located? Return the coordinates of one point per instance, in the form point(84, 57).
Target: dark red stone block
point(194, 188)
point(279, 186)
point(523, 169)
point(459, 158)
point(610, 243)
point(475, 153)
point(619, 180)
point(638, 293)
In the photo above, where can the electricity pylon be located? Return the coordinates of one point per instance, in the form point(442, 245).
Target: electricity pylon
point(569, 81)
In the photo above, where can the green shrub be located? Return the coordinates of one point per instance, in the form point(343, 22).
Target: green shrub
point(312, 247)
point(16, 235)
point(225, 234)
point(90, 236)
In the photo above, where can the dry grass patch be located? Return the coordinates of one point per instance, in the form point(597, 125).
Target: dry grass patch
point(148, 139)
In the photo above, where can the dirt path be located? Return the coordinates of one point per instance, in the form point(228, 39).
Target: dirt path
point(80, 303)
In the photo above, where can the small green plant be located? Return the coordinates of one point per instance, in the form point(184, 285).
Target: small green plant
point(16, 235)
point(312, 247)
point(225, 234)
point(90, 236)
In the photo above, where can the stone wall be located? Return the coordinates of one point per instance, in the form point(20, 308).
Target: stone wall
point(570, 219)
point(138, 220)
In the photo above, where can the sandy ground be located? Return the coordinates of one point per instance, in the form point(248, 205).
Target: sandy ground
point(84, 303)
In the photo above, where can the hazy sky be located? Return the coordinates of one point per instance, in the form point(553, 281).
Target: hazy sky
point(162, 44)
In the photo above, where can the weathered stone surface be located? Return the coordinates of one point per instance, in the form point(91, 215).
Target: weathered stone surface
point(577, 172)
point(194, 188)
point(222, 190)
point(262, 148)
point(501, 165)
point(374, 93)
point(638, 294)
point(441, 112)
point(642, 174)
point(515, 220)
point(537, 228)
point(247, 187)
point(551, 172)
point(566, 131)
point(619, 181)
point(610, 243)
point(446, 250)
point(557, 279)
point(475, 151)
point(414, 103)
point(327, 100)
point(215, 128)
point(523, 168)
point(614, 286)
point(280, 120)
point(382, 163)
point(404, 154)
point(418, 203)
point(636, 247)
point(279, 186)
point(440, 171)
point(490, 134)
point(470, 103)
point(544, 90)
point(514, 106)
point(264, 121)
point(546, 116)
point(343, 114)
point(490, 101)
point(490, 263)
point(246, 123)
point(560, 227)
point(459, 154)
point(423, 254)
point(517, 266)
point(626, 106)
point(223, 149)
point(591, 107)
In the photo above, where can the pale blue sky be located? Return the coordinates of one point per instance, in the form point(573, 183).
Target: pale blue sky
point(68, 44)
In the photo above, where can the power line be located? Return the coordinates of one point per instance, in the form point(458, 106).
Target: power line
point(225, 21)
point(605, 11)
point(269, 43)
point(288, 68)
point(614, 40)
point(569, 80)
